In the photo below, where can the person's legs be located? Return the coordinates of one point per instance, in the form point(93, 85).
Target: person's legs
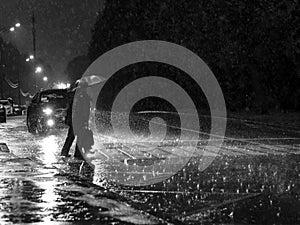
point(68, 143)
point(77, 153)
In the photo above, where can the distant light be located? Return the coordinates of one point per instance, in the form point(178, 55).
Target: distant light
point(61, 85)
point(47, 111)
point(17, 25)
point(50, 122)
point(45, 79)
point(38, 69)
point(27, 60)
point(12, 29)
point(31, 57)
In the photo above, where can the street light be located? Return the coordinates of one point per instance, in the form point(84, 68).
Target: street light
point(17, 25)
point(38, 69)
point(31, 57)
point(12, 29)
point(45, 79)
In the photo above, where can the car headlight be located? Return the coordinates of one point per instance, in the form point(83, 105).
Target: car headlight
point(47, 111)
point(50, 123)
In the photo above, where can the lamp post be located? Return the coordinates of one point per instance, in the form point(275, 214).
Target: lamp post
point(34, 45)
point(2, 76)
point(19, 88)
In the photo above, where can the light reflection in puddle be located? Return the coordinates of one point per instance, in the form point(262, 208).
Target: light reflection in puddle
point(49, 146)
point(49, 198)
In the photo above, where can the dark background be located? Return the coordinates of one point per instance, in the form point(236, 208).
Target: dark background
point(251, 46)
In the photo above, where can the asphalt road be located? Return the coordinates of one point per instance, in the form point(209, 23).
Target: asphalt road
point(254, 178)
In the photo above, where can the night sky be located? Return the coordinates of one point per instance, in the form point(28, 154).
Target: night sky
point(63, 27)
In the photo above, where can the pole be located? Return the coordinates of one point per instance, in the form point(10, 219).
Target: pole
point(33, 35)
point(1, 71)
point(19, 88)
point(34, 46)
point(2, 91)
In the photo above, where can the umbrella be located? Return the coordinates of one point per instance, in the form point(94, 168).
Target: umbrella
point(92, 80)
point(88, 81)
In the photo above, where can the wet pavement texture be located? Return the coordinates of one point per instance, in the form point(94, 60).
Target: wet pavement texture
point(253, 179)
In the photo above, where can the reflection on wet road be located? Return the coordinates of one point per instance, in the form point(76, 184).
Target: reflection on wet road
point(39, 186)
point(254, 179)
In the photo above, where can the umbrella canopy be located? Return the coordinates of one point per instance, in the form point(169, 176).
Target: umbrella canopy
point(92, 80)
point(87, 81)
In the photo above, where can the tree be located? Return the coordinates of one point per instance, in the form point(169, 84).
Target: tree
point(10, 69)
point(251, 46)
point(76, 67)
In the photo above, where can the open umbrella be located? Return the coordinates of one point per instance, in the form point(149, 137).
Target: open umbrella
point(92, 80)
point(87, 81)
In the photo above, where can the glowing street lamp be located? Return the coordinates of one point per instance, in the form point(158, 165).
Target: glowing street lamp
point(45, 79)
point(31, 57)
point(11, 29)
point(38, 69)
point(17, 25)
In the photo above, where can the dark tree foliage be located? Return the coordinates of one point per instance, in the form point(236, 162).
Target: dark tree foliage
point(252, 47)
point(12, 66)
point(76, 67)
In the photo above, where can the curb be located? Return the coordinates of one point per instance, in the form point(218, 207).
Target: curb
point(4, 148)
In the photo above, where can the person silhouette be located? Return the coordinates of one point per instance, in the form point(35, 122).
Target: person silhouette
point(68, 120)
point(82, 108)
point(78, 116)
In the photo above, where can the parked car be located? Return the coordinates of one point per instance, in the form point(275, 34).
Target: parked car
point(8, 106)
point(2, 114)
point(19, 110)
point(47, 110)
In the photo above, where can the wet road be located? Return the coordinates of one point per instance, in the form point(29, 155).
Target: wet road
point(253, 179)
point(37, 186)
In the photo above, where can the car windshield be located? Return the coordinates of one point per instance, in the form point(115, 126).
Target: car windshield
point(4, 103)
point(53, 97)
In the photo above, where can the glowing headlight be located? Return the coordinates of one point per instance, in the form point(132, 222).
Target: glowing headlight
point(47, 111)
point(50, 123)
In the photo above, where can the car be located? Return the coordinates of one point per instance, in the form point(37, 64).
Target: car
point(19, 110)
point(8, 107)
point(47, 110)
point(2, 114)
